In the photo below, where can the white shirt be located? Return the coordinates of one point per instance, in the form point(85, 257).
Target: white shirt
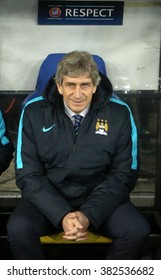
point(71, 114)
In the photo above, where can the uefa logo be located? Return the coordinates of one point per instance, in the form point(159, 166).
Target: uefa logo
point(55, 12)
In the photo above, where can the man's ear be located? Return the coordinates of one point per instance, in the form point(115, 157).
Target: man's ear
point(60, 88)
point(94, 89)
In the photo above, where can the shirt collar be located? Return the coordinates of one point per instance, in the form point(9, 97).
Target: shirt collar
point(70, 113)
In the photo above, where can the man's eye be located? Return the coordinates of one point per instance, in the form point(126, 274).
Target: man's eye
point(85, 86)
point(70, 85)
point(82, 86)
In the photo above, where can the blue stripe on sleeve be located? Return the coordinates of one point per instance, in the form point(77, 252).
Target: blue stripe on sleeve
point(133, 133)
point(19, 161)
point(4, 140)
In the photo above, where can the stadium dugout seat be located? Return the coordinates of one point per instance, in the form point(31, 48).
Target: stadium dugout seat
point(48, 69)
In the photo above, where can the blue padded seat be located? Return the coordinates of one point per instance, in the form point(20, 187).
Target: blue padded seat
point(48, 69)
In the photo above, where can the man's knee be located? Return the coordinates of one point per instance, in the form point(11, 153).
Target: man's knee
point(18, 228)
point(139, 231)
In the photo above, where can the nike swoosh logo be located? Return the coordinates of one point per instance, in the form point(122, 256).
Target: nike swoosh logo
point(47, 129)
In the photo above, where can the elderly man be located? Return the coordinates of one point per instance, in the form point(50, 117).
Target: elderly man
point(76, 164)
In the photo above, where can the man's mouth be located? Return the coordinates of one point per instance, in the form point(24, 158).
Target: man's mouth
point(78, 101)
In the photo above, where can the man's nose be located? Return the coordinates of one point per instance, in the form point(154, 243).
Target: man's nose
point(77, 91)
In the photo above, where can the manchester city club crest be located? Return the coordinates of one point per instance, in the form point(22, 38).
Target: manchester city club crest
point(101, 127)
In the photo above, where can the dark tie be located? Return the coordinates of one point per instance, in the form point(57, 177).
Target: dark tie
point(77, 123)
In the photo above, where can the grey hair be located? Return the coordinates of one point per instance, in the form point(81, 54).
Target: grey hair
point(77, 63)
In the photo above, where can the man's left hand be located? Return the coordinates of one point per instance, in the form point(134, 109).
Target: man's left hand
point(79, 234)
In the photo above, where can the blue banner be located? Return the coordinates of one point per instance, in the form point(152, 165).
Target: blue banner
point(80, 13)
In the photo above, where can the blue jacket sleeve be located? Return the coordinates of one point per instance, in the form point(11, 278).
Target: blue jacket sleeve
point(6, 145)
point(120, 180)
point(31, 178)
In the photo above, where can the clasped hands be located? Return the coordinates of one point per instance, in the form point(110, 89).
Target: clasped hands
point(75, 226)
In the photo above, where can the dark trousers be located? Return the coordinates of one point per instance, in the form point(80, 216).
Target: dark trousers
point(127, 227)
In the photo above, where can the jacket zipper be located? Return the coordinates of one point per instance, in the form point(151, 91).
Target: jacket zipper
point(74, 148)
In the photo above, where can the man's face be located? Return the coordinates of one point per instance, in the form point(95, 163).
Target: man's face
point(77, 92)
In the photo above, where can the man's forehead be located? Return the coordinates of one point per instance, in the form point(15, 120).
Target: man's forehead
point(78, 79)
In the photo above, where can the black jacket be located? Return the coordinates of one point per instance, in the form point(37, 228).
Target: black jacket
point(6, 146)
point(93, 173)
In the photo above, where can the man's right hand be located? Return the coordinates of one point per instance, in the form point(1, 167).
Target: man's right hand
point(75, 226)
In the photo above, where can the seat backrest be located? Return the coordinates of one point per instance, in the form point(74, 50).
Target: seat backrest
point(48, 69)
